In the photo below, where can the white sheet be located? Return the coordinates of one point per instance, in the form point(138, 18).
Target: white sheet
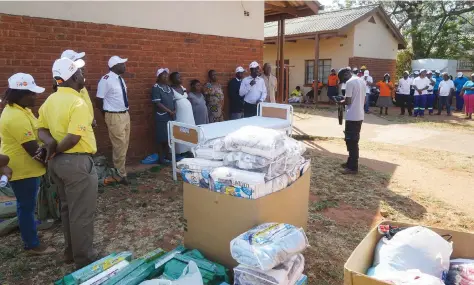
point(221, 129)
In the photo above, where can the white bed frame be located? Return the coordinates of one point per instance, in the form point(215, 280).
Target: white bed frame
point(192, 135)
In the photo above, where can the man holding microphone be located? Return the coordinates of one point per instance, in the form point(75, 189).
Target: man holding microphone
point(253, 90)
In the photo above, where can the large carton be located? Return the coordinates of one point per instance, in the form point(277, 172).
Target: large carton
point(362, 257)
point(214, 219)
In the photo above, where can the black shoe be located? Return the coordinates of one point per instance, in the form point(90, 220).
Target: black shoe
point(124, 181)
point(344, 165)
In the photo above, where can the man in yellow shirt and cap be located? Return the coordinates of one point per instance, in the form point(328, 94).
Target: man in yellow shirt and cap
point(65, 129)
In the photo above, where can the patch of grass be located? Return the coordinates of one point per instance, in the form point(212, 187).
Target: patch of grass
point(323, 205)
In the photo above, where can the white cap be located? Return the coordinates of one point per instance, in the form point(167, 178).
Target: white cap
point(24, 81)
point(114, 60)
point(366, 73)
point(416, 72)
point(65, 68)
point(254, 64)
point(72, 55)
point(355, 69)
point(422, 70)
point(240, 69)
point(161, 70)
point(429, 72)
point(437, 71)
point(472, 74)
point(386, 74)
point(460, 74)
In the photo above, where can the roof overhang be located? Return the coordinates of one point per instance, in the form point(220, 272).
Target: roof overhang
point(341, 32)
point(277, 10)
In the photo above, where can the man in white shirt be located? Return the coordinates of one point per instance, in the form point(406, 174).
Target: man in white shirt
point(406, 100)
point(112, 101)
point(446, 90)
point(369, 81)
point(421, 85)
point(354, 99)
point(430, 96)
point(253, 90)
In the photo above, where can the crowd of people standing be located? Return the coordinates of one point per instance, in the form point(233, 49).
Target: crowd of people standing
point(62, 142)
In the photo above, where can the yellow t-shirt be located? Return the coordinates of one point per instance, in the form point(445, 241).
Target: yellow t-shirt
point(65, 112)
point(85, 95)
point(17, 126)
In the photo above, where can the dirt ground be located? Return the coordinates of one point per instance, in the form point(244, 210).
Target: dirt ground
point(396, 183)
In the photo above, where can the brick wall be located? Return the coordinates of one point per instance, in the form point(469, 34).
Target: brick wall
point(377, 67)
point(32, 44)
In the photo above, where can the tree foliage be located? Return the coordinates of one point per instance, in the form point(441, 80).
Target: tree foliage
point(433, 29)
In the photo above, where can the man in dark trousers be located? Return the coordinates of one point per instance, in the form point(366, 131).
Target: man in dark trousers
point(253, 90)
point(354, 100)
point(236, 102)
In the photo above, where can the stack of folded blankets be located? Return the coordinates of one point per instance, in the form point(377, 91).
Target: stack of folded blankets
point(270, 254)
point(249, 163)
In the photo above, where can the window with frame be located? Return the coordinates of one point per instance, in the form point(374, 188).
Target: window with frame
point(324, 69)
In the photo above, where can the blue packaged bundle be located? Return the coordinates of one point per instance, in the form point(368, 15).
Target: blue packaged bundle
point(303, 280)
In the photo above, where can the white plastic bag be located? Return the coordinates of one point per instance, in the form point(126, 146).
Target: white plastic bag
point(415, 248)
point(208, 153)
point(190, 276)
point(408, 277)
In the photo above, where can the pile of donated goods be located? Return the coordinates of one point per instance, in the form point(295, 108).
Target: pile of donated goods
point(251, 162)
point(418, 256)
point(269, 254)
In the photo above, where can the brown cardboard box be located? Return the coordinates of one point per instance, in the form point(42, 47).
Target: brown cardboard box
point(362, 257)
point(214, 219)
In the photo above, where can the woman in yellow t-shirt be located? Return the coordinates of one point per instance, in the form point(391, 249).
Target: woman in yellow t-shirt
point(18, 134)
point(386, 93)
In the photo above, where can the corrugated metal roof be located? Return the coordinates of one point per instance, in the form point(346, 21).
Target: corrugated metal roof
point(324, 21)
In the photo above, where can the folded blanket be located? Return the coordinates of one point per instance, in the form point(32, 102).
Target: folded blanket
point(267, 143)
point(286, 273)
point(215, 144)
point(268, 245)
point(208, 153)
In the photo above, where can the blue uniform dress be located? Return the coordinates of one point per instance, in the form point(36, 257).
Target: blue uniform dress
point(459, 83)
point(164, 95)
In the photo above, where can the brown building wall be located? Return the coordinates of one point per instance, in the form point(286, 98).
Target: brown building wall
point(377, 67)
point(31, 45)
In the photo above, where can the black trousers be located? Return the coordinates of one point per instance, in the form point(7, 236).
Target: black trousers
point(250, 110)
point(406, 101)
point(352, 136)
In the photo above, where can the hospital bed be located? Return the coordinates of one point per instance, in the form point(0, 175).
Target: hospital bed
point(269, 115)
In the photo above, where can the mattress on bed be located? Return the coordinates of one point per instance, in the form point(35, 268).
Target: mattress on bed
point(221, 129)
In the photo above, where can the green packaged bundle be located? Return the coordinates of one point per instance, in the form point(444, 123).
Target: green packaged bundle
point(93, 269)
point(212, 273)
point(135, 265)
point(161, 262)
point(138, 275)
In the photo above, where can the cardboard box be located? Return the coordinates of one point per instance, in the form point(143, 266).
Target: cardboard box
point(362, 257)
point(213, 219)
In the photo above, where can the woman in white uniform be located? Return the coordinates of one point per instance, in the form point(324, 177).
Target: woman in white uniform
point(184, 109)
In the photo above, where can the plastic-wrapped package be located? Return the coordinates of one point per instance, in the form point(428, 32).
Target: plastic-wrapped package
point(287, 273)
point(268, 245)
point(244, 160)
point(267, 143)
point(215, 144)
point(461, 272)
point(209, 153)
point(239, 183)
point(415, 247)
point(196, 171)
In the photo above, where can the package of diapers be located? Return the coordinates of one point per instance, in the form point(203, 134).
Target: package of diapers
point(268, 245)
point(208, 153)
point(238, 183)
point(197, 171)
point(259, 141)
point(286, 273)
